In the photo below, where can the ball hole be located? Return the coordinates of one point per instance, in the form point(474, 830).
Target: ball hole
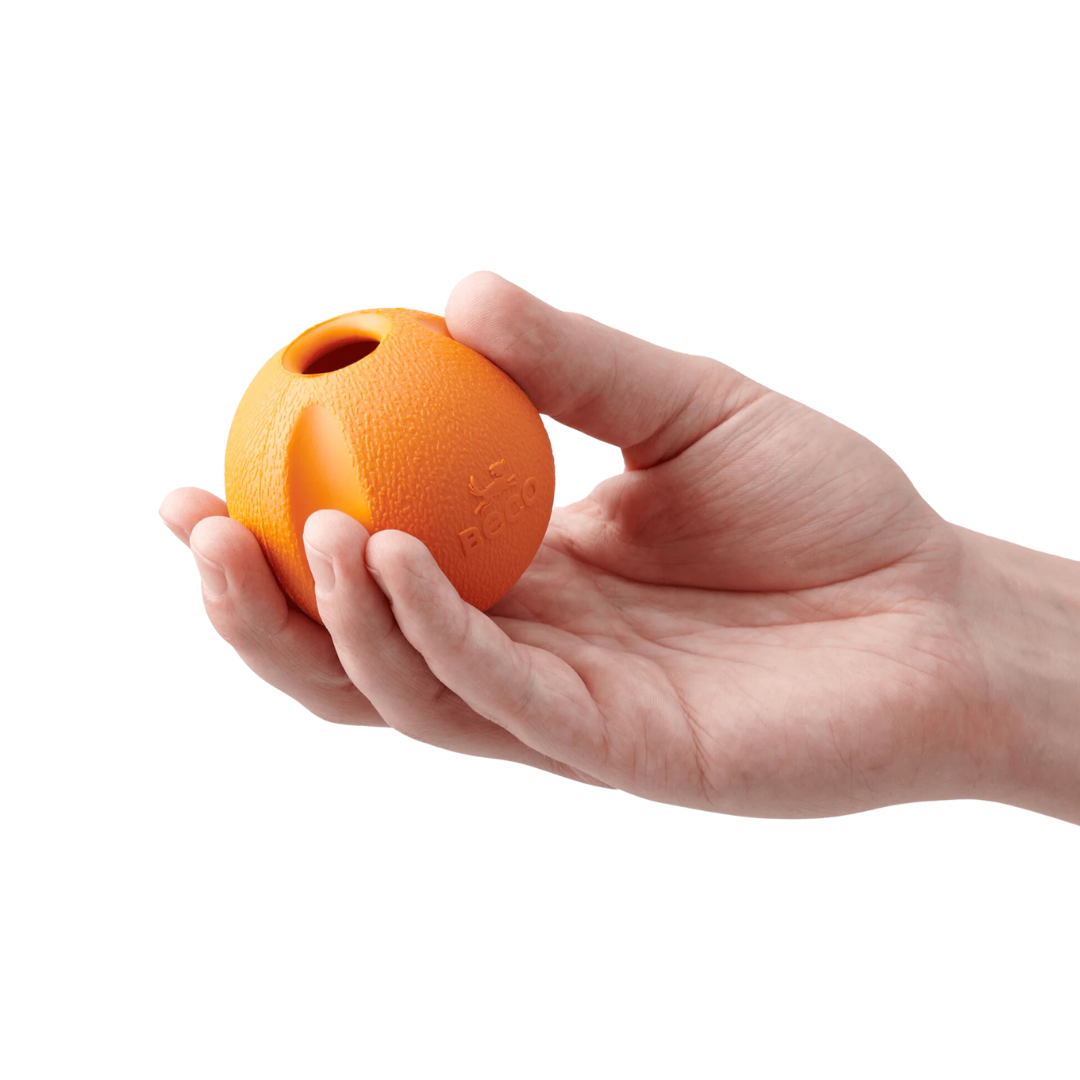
point(336, 344)
point(339, 356)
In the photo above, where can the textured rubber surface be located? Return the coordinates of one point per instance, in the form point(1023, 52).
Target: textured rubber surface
point(422, 434)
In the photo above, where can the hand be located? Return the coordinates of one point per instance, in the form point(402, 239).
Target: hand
point(760, 615)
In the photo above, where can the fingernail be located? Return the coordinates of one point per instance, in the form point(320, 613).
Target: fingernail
point(322, 569)
point(377, 577)
point(175, 530)
point(212, 575)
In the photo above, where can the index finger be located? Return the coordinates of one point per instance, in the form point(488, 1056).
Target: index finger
point(650, 401)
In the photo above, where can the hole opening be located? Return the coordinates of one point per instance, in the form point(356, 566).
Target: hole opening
point(336, 357)
point(335, 344)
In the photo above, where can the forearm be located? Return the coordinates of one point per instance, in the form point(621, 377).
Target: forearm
point(1023, 609)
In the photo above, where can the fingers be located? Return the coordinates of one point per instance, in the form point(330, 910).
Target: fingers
point(381, 661)
point(534, 695)
point(326, 669)
point(649, 401)
point(248, 609)
point(185, 506)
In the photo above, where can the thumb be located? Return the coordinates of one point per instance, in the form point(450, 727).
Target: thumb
point(649, 401)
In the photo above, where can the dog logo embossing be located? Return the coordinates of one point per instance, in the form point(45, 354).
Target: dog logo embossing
point(501, 500)
point(500, 482)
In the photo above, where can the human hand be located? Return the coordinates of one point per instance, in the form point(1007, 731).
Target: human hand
point(760, 615)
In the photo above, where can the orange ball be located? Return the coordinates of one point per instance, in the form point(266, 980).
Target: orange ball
point(383, 415)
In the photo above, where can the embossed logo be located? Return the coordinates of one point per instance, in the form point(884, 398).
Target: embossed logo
point(503, 499)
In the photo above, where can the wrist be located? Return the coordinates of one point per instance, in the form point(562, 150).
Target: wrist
point(1023, 611)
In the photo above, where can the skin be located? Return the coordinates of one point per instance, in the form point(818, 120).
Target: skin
point(760, 615)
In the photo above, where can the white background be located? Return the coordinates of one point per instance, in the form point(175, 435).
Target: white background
point(872, 207)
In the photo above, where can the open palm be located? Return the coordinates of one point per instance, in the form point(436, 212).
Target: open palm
point(757, 616)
